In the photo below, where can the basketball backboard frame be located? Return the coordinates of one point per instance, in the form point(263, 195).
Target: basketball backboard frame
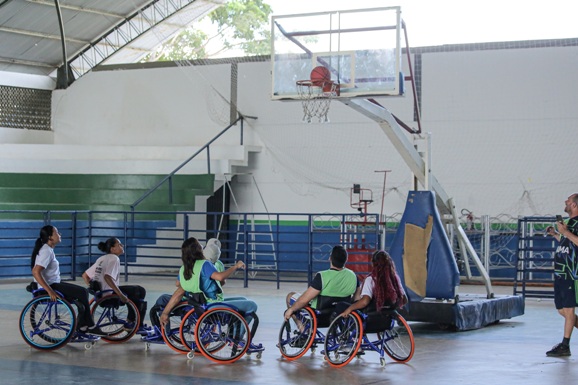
point(360, 47)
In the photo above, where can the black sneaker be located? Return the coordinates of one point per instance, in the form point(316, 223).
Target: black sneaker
point(559, 350)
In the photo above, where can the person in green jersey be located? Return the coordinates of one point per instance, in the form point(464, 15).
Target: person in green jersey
point(337, 281)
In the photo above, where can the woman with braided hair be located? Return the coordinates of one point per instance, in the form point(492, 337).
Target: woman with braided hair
point(381, 289)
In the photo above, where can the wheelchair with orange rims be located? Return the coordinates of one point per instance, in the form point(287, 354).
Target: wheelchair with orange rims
point(300, 333)
point(49, 325)
point(171, 334)
point(349, 337)
point(120, 321)
point(219, 331)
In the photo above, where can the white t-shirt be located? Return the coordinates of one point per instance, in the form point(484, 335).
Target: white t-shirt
point(108, 264)
point(367, 288)
point(368, 284)
point(47, 259)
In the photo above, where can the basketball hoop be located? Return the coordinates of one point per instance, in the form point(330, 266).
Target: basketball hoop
point(316, 98)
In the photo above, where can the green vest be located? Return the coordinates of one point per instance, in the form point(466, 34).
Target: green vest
point(193, 285)
point(337, 283)
point(219, 266)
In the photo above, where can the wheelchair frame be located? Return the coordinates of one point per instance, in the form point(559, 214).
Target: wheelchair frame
point(219, 332)
point(111, 316)
point(45, 324)
point(346, 337)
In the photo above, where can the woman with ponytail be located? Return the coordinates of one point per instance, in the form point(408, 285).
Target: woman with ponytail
point(106, 271)
point(46, 272)
point(382, 288)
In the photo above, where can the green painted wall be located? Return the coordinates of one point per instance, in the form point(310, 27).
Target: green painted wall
point(106, 192)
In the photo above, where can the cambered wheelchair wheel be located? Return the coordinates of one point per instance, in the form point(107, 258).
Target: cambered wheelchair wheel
point(171, 333)
point(398, 341)
point(187, 329)
point(343, 340)
point(47, 324)
point(222, 335)
point(297, 334)
point(111, 316)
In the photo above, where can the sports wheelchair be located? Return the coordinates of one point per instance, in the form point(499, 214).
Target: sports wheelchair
point(218, 331)
point(49, 325)
point(110, 314)
point(348, 337)
point(170, 335)
point(301, 332)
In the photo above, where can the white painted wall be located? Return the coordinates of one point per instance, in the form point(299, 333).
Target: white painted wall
point(502, 122)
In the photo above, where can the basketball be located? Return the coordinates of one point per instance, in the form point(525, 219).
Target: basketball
point(320, 75)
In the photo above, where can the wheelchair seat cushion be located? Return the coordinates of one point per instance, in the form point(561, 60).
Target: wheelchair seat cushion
point(326, 308)
point(196, 299)
point(378, 321)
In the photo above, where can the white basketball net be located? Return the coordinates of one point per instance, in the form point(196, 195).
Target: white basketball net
point(316, 99)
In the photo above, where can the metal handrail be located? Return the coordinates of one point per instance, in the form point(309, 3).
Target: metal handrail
point(172, 173)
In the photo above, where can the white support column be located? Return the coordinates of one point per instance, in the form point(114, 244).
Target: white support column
point(420, 168)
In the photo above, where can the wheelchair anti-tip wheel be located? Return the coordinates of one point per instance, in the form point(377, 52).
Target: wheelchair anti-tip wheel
point(112, 317)
point(297, 334)
point(343, 340)
point(222, 335)
point(47, 324)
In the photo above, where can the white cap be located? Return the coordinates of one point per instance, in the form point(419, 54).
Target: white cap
point(212, 250)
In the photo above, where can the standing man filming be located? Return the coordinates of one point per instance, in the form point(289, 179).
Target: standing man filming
point(566, 273)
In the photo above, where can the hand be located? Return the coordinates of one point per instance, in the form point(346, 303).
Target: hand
point(53, 295)
point(345, 314)
point(562, 228)
point(123, 298)
point(550, 231)
point(288, 313)
point(164, 319)
point(240, 265)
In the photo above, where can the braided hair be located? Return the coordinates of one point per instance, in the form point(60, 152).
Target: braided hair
point(191, 251)
point(386, 289)
point(45, 234)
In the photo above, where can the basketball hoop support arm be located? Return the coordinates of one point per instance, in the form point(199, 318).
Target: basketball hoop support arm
point(412, 158)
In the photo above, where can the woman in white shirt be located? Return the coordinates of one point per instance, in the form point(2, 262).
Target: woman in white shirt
point(46, 272)
point(106, 271)
point(382, 288)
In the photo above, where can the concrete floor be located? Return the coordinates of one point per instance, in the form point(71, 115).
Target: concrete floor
point(510, 352)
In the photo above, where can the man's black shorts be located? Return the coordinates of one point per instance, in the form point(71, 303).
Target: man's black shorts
point(565, 293)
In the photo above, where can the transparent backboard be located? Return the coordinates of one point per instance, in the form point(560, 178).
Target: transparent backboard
point(361, 48)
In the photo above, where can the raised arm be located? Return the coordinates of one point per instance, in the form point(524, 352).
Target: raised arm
point(563, 229)
point(221, 276)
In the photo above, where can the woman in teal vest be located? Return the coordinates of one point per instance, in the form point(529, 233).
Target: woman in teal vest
point(198, 275)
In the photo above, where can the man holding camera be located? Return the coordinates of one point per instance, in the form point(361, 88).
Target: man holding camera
point(566, 273)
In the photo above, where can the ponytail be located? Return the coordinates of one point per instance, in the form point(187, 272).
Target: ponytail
point(106, 246)
point(45, 234)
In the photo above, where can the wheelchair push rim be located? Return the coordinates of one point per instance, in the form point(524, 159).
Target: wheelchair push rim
point(46, 324)
point(297, 334)
point(343, 340)
point(110, 314)
point(222, 335)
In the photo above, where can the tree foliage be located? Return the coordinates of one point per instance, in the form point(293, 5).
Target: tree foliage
point(239, 25)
